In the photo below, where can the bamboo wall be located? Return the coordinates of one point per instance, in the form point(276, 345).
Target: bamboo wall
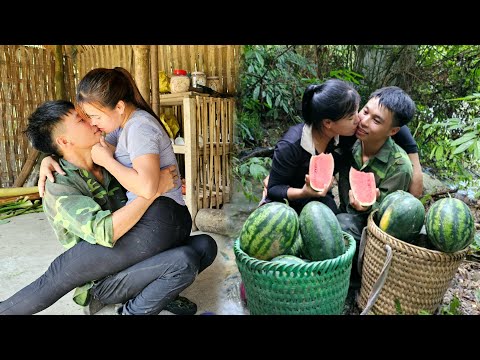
point(27, 78)
point(107, 56)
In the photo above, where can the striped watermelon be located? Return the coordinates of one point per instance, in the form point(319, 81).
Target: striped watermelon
point(450, 225)
point(288, 260)
point(388, 200)
point(297, 248)
point(269, 231)
point(321, 232)
point(404, 218)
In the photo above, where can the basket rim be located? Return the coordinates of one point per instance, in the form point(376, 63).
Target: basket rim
point(257, 264)
point(373, 227)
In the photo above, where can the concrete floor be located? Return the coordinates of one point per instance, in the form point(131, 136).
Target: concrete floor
point(28, 245)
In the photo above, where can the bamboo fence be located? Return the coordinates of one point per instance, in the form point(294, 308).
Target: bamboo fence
point(27, 77)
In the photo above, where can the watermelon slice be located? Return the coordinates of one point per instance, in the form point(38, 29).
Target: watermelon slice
point(320, 171)
point(363, 187)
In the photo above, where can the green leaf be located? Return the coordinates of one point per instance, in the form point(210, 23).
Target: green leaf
point(398, 307)
point(269, 101)
point(258, 171)
point(463, 147)
point(256, 92)
point(259, 58)
point(476, 151)
point(477, 296)
point(277, 99)
point(439, 153)
point(464, 138)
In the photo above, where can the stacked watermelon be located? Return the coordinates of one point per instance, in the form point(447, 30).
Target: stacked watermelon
point(269, 231)
point(450, 225)
point(321, 232)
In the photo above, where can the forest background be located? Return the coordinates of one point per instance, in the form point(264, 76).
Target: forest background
point(444, 82)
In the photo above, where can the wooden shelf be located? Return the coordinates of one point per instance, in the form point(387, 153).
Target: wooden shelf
point(177, 98)
point(197, 113)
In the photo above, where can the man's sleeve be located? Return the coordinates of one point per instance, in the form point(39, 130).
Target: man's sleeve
point(405, 140)
point(398, 177)
point(78, 214)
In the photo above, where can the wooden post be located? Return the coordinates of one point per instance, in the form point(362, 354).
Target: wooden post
point(141, 74)
point(60, 93)
point(154, 77)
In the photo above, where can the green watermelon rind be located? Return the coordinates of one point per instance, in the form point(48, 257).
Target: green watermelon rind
point(450, 225)
point(321, 232)
point(269, 231)
point(403, 218)
point(388, 200)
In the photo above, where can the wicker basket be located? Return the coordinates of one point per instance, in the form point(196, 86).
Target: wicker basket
point(417, 278)
point(317, 287)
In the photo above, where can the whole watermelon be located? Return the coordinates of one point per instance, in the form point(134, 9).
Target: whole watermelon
point(297, 247)
point(269, 231)
point(388, 200)
point(450, 225)
point(321, 232)
point(288, 260)
point(403, 218)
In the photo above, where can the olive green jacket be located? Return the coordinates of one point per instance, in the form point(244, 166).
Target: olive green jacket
point(391, 166)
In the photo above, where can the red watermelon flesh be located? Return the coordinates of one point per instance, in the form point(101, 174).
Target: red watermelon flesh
point(321, 171)
point(363, 187)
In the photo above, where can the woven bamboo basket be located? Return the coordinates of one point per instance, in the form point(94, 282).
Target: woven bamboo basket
point(417, 278)
point(314, 288)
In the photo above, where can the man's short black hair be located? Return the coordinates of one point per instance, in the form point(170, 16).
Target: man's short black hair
point(43, 121)
point(398, 102)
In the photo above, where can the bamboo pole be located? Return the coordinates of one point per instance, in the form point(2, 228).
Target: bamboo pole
point(154, 77)
point(60, 93)
point(142, 69)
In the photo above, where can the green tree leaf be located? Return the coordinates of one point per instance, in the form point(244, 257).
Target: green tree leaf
point(463, 147)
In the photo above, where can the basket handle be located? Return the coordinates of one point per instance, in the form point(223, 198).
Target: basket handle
point(377, 287)
point(361, 250)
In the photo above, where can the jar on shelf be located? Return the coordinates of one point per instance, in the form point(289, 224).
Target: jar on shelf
point(213, 82)
point(199, 78)
point(179, 81)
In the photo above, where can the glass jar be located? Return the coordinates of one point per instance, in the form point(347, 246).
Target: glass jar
point(199, 78)
point(179, 82)
point(213, 82)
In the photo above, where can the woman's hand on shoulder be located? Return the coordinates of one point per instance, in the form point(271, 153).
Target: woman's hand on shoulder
point(47, 167)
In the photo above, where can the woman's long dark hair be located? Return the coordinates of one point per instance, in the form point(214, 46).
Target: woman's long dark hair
point(334, 99)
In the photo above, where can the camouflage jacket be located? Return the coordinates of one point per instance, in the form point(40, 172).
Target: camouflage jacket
point(391, 166)
point(78, 207)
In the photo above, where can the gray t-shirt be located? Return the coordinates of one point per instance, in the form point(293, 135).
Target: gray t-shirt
point(142, 135)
